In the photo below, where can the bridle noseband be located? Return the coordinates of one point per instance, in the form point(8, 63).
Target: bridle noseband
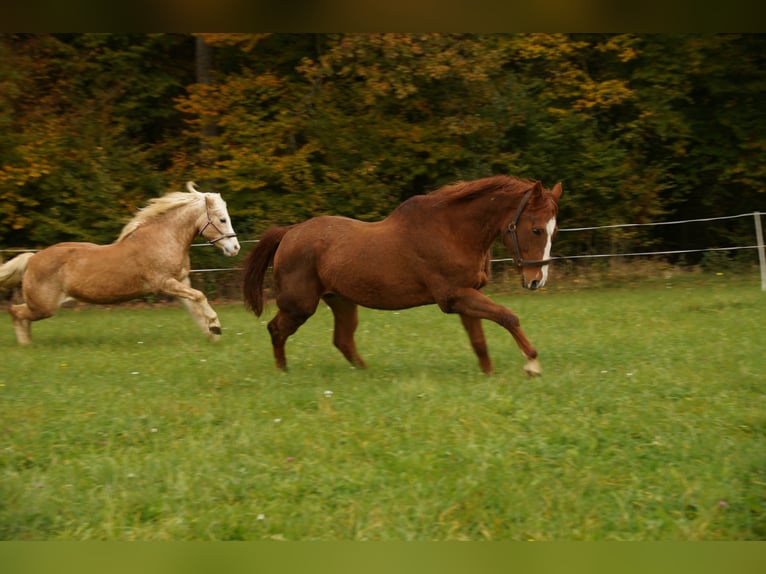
point(517, 259)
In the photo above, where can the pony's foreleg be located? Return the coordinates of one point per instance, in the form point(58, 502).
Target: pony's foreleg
point(197, 304)
point(472, 303)
point(197, 313)
point(478, 342)
point(346, 320)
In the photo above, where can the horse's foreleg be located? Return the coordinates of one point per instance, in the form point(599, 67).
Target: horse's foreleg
point(195, 310)
point(196, 313)
point(472, 303)
point(346, 317)
point(478, 342)
point(197, 304)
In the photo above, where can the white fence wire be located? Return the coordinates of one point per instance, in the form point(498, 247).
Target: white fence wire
point(759, 245)
point(652, 224)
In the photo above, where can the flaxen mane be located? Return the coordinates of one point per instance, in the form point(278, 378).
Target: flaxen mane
point(157, 207)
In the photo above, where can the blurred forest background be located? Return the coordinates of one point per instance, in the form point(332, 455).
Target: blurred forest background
point(638, 127)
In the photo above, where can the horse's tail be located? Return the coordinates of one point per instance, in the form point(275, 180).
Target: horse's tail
point(256, 263)
point(12, 272)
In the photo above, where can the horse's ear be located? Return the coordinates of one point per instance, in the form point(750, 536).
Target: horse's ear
point(537, 188)
point(556, 191)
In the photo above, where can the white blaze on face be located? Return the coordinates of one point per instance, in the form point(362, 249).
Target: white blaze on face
point(549, 228)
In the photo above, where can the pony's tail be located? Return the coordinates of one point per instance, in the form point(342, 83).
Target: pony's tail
point(12, 272)
point(256, 263)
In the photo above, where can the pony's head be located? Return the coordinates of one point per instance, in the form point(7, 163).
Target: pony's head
point(528, 235)
point(217, 228)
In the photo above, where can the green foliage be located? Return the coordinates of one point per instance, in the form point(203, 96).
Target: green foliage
point(91, 116)
point(638, 127)
point(647, 424)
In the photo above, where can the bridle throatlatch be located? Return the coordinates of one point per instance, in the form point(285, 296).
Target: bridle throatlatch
point(517, 259)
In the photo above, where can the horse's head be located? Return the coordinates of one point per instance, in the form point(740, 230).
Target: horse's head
point(218, 229)
point(528, 235)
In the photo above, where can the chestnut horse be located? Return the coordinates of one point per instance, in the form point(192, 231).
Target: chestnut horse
point(151, 255)
point(433, 248)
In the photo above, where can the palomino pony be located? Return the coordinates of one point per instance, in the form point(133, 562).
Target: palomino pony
point(151, 255)
point(433, 248)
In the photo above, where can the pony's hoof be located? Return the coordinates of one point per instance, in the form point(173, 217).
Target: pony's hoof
point(533, 368)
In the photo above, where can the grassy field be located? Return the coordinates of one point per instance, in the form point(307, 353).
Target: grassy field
point(649, 423)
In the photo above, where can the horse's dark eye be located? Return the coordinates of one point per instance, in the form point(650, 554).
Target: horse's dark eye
point(222, 220)
point(536, 231)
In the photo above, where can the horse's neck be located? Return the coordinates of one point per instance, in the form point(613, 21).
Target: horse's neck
point(482, 219)
point(172, 233)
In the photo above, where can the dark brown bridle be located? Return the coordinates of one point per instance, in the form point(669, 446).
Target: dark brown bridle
point(517, 259)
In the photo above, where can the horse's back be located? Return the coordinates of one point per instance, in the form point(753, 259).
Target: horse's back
point(336, 240)
point(309, 245)
point(370, 263)
point(59, 253)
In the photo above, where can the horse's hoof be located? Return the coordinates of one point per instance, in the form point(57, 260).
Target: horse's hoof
point(533, 368)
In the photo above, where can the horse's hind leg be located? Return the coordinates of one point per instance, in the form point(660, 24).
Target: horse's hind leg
point(22, 327)
point(281, 327)
point(42, 298)
point(22, 317)
point(478, 342)
point(346, 320)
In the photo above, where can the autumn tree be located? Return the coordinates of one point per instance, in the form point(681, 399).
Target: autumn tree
point(287, 126)
point(90, 119)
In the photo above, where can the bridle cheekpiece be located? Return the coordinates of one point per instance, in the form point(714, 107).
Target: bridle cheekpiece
point(517, 259)
point(221, 234)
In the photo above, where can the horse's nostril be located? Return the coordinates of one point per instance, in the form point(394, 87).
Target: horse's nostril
point(534, 284)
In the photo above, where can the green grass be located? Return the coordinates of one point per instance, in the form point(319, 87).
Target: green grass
point(649, 423)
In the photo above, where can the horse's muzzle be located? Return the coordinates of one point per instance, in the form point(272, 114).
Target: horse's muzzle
point(229, 245)
point(533, 284)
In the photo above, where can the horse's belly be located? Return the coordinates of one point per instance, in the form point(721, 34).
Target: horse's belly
point(385, 294)
point(104, 285)
point(105, 293)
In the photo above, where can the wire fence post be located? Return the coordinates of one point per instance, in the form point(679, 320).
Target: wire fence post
point(761, 249)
